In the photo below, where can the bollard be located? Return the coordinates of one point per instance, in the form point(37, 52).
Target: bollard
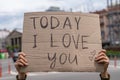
point(115, 61)
point(0, 70)
point(9, 67)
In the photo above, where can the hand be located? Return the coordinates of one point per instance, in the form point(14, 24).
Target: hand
point(21, 62)
point(103, 59)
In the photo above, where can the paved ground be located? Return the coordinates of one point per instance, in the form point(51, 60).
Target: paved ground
point(114, 72)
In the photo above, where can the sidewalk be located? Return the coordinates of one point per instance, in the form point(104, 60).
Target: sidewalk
point(7, 66)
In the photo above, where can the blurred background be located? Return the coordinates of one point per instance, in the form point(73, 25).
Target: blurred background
point(11, 28)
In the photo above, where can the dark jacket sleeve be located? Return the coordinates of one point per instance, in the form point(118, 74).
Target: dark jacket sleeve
point(100, 77)
point(21, 79)
point(105, 78)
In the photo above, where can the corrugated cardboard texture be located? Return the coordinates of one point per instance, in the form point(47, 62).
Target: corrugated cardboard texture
point(61, 41)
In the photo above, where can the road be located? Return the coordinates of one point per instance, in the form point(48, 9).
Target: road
point(7, 64)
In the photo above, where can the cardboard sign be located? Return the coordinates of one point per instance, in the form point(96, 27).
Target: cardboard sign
point(61, 41)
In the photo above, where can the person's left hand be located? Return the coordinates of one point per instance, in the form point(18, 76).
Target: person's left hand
point(103, 59)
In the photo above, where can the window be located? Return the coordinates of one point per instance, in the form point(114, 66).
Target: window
point(15, 41)
point(12, 42)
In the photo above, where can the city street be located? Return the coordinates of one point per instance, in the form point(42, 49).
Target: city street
point(9, 73)
point(60, 35)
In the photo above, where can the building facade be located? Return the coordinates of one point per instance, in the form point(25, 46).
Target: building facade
point(3, 34)
point(113, 17)
point(14, 40)
point(110, 24)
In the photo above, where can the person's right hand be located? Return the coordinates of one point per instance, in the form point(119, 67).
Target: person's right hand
point(21, 62)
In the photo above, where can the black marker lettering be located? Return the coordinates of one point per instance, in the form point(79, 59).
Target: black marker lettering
point(92, 55)
point(35, 45)
point(74, 60)
point(34, 20)
point(52, 45)
point(76, 42)
point(65, 41)
point(63, 57)
point(67, 23)
point(83, 41)
point(77, 21)
point(44, 22)
point(53, 19)
point(53, 59)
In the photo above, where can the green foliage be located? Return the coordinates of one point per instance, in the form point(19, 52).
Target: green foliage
point(16, 46)
point(113, 53)
point(11, 48)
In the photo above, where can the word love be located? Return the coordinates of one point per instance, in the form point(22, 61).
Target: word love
point(66, 40)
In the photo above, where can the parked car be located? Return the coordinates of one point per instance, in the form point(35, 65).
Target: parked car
point(15, 56)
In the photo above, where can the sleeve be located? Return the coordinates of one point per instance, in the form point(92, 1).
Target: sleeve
point(105, 78)
point(21, 79)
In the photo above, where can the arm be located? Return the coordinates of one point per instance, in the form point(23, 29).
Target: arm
point(103, 59)
point(21, 62)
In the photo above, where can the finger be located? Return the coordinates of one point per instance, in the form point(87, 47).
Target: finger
point(20, 64)
point(101, 58)
point(23, 58)
point(23, 62)
point(103, 61)
point(104, 51)
point(106, 59)
point(100, 54)
point(21, 53)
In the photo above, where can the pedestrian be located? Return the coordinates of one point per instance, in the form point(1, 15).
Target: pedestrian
point(100, 59)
